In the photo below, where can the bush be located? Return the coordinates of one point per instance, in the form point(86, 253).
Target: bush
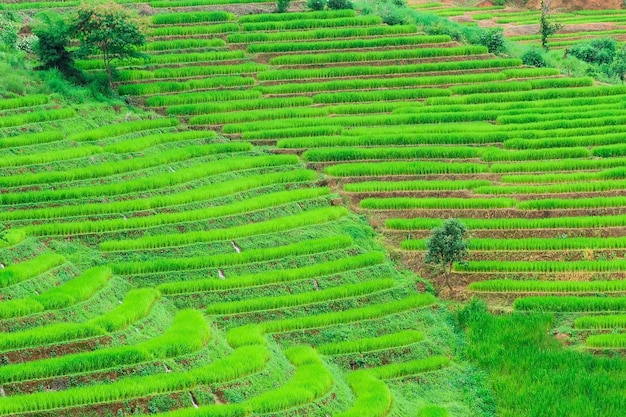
point(534, 57)
point(493, 39)
point(282, 5)
point(339, 4)
point(316, 4)
point(597, 51)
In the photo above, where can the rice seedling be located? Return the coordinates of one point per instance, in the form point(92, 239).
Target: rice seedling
point(404, 203)
point(387, 341)
point(174, 86)
point(246, 256)
point(192, 17)
point(280, 275)
point(384, 186)
point(120, 129)
point(427, 152)
point(404, 168)
point(403, 369)
point(293, 300)
point(612, 321)
point(509, 285)
point(373, 397)
point(332, 33)
point(22, 271)
point(36, 117)
point(311, 23)
point(570, 303)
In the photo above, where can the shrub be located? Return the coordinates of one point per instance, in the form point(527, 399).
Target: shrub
point(339, 4)
point(316, 4)
point(283, 5)
point(493, 39)
point(534, 57)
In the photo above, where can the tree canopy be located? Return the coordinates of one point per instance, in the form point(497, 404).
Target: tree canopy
point(446, 245)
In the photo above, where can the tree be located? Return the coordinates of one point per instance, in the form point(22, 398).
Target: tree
point(54, 34)
point(445, 246)
point(493, 39)
point(110, 30)
point(283, 5)
point(547, 28)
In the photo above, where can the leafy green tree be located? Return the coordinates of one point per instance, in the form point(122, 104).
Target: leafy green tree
point(316, 4)
point(54, 34)
point(110, 30)
point(546, 27)
point(283, 5)
point(493, 39)
point(445, 246)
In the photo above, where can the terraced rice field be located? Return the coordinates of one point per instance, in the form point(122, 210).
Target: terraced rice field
point(206, 258)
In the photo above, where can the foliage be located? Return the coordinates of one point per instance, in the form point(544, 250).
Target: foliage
point(9, 29)
point(282, 5)
point(316, 4)
point(493, 39)
point(546, 27)
point(339, 4)
point(597, 51)
point(109, 29)
point(54, 34)
point(446, 246)
point(534, 57)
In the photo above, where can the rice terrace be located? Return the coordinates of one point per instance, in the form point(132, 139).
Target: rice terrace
point(333, 208)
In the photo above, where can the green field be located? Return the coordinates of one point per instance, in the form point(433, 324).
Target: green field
point(244, 233)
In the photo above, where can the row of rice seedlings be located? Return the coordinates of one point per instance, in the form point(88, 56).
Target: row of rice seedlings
point(239, 207)
point(294, 300)
point(320, 34)
point(277, 276)
point(600, 322)
point(202, 97)
point(31, 139)
point(210, 56)
point(242, 362)
point(296, 132)
point(175, 86)
point(135, 306)
point(337, 57)
point(403, 369)
point(534, 117)
point(245, 335)
point(26, 101)
point(606, 174)
point(22, 271)
point(558, 165)
point(510, 285)
point(491, 87)
point(543, 266)
point(570, 303)
point(204, 193)
point(511, 224)
point(256, 115)
point(378, 83)
point(190, 71)
point(557, 142)
point(550, 93)
point(238, 105)
point(428, 152)
point(385, 186)
point(193, 30)
point(120, 129)
point(386, 341)
point(610, 151)
point(143, 142)
point(347, 44)
point(403, 203)
point(606, 341)
point(74, 291)
point(496, 154)
point(191, 17)
point(373, 107)
point(404, 168)
point(530, 72)
point(246, 256)
point(357, 71)
point(311, 380)
point(312, 23)
point(36, 117)
point(377, 96)
point(373, 396)
point(556, 203)
point(118, 167)
point(187, 334)
point(576, 187)
point(388, 140)
point(50, 156)
point(152, 182)
point(598, 122)
point(179, 44)
point(12, 237)
point(196, 3)
point(274, 17)
point(307, 218)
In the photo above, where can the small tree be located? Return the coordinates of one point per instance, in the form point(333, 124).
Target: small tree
point(110, 30)
point(54, 35)
point(447, 244)
point(493, 39)
point(282, 5)
point(316, 4)
point(547, 28)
